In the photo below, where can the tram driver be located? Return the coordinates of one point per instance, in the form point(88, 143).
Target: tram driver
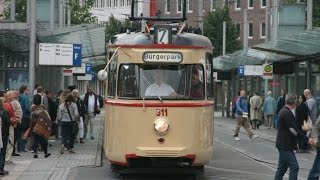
point(159, 88)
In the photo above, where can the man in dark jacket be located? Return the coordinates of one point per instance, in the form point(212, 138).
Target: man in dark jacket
point(92, 108)
point(281, 100)
point(287, 139)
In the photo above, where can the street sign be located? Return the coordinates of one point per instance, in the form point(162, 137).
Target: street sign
point(88, 68)
point(87, 77)
point(267, 71)
point(241, 70)
point(79, 70)
point(77, 52)
point(60, 54)
point(253, 70)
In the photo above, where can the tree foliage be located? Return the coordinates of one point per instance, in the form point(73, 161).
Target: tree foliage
point(113, 27)
point(213, 29)
point(21, 10)
point(79, 14)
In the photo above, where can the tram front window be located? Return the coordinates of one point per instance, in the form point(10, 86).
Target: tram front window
point(161, 81)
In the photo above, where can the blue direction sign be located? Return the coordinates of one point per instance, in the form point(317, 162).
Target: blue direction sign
point(241, 70)
point(88, 68)
point(77, 54)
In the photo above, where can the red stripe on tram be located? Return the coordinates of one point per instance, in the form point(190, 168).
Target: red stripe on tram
point(160, 104)
point(151, 46)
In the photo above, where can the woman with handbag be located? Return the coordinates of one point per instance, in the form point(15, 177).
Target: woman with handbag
point(67, 114)
point(81, 110)
point(302, 116)
point(40, 126)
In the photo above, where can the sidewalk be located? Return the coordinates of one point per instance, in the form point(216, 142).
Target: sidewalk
point(58, 166)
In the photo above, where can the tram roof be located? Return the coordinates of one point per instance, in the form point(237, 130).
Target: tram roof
point(141, 39)
point(301, 46)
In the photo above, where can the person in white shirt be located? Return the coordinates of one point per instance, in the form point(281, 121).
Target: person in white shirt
point(159, 88)
point(92, 108)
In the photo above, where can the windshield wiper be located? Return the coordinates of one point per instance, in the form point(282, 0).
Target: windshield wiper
point(150, 85)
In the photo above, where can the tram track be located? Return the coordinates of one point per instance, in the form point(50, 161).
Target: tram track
point(257, 160)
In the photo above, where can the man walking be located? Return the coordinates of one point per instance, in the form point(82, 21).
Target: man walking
point(91, 104)
point(312, 105)
point(287, 139)
point(242, 116)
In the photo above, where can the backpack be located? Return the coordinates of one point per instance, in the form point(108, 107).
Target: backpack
point(234, 108)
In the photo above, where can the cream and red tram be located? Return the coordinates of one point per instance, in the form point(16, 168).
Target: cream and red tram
point(148, 128)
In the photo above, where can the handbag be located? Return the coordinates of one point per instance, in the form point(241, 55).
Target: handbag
point(307, 124)
point(26, 134)
point(75, 127)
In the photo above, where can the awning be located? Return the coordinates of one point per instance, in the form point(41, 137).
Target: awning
point(299, 45)
point(245, 57)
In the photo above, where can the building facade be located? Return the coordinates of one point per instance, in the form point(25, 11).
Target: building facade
point(120, 9)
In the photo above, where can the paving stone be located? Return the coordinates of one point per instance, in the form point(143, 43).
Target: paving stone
point(57, 166)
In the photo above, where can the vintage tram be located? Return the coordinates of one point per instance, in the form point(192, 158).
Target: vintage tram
point(159, 99)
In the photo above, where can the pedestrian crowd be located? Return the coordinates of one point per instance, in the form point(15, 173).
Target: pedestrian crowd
point(27, 121)
point(297, 122)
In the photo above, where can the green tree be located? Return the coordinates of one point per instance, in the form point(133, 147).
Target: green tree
point(113, 27)
point(79, 15)
point(316, 14)
point(21, 10)
point(213, 29)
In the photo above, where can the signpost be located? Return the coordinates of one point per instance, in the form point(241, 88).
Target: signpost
point(267, 71)
point(60, 54)
point(241, 70)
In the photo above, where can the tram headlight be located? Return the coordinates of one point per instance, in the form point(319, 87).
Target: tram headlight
point(161, 125)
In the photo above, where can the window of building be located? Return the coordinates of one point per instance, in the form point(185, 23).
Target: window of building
point(103, 3)
point(262, 30)
point(263, 3)
point(121, 3)
point(109, 3)
point(238, 25)
point(128, 2)
point(237, 4)
point(179, 6)
point(190, 5)
point(213, 5)
point(115, 3)
point(203, 5)
point(250, 30)
point(250, 4)
point(167, 6)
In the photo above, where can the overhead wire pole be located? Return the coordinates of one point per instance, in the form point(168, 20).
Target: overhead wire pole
point(13, 10)
point(200, 12)
point(60, 26)
point(51, 14)
point(309, 14)
point(32, 43)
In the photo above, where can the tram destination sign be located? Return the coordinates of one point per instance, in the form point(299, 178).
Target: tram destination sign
point(162, 57)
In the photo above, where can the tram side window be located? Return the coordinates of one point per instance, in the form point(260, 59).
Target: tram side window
point(209, 76)
point(112, 75)
point(128, 87)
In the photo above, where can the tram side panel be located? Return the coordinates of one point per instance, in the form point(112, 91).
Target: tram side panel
point(130, 131)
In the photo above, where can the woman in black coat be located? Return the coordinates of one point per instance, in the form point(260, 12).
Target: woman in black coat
point(301, 115)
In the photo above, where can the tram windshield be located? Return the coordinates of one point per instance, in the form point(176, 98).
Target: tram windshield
point(137, 81)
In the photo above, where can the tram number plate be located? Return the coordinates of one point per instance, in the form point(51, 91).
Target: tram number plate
point(162, 112)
